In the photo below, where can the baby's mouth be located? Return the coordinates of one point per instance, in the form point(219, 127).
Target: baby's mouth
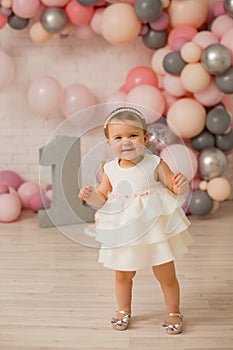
point(128, 150)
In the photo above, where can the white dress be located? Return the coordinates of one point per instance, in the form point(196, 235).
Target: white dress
point(142, 223)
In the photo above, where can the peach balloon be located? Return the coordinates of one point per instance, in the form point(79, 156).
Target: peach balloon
point(38, 34)
point(173, 85)
point(191, 52)
point(191, 12)
point(186, 117)
point(210, 96)
point(25, 8)
point(221, 25)
point(149, 97)
point(95, 22)
point(227, 41)
point(120, 24)
point(203, 185)
point(194, 77)
point(205, 38)
point(157, 60)
point(219, 189)
point(55, 3)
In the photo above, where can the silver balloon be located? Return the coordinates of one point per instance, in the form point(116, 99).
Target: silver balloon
point(228, 7)
point(53, 20)
point(212, 163)
point(160, 137)
point(216, 59)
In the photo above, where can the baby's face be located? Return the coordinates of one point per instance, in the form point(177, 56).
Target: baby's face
point(126, 139)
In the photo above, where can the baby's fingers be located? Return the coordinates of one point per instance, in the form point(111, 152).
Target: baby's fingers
point(179, 179)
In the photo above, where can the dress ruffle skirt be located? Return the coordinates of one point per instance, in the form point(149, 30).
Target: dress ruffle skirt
point(142, 230)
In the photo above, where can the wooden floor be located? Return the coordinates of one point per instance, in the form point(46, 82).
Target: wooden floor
point(54, 295)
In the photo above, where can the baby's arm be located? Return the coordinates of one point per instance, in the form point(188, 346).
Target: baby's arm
point(175, 182)
point(97, 197)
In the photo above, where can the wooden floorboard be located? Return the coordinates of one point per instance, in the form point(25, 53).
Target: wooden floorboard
point(55, 296)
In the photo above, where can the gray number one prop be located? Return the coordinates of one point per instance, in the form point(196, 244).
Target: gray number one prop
point(63, 154)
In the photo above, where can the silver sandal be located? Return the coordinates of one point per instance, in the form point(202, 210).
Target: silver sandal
point(174, 328)
point(120, 324)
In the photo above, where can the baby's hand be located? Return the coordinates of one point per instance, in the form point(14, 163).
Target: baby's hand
point(85, 193)
point(179, 180)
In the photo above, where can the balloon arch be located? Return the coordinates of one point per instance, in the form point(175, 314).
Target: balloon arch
point(189, 82)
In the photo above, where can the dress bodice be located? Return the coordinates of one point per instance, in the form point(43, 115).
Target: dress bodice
point(135, 180)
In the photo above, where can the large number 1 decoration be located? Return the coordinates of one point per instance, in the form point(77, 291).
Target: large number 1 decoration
point(64, 156)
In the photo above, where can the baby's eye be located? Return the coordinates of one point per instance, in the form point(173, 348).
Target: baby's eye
point(117, 138)
point(133, 136)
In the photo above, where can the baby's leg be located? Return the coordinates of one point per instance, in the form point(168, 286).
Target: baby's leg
point(123, 289)
point(166, 276)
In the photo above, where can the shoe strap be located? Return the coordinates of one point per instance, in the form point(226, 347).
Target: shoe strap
point(122, 312)
point(176, 314)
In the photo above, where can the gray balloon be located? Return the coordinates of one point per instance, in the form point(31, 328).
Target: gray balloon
point(148, 10)
point(216, 58)
point(204, 140)
point(87, 2)
point(154, 39)
point(17, 22)
point(228, 7)
point(218, 120)
point(53, 20)
point(225, 141)
point(225, 81)
point(200, 204)
point(173, 63)
point(212, 162)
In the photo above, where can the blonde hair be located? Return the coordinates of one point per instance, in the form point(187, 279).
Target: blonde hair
point(125, 113)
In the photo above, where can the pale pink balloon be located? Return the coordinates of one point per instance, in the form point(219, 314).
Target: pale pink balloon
point(38, 201)
point(120, 24)
point(10, 178)
point(218, 8)
point(76, 97)
point(55, 3)
point(148, 97)
point(210, 96)
point(173, 85)
point(221, 25)
point(186, 117)
point(194, 77)
point(25, 8)
point(95, 22)
point(180, 158)
point(26, 190)
point(10, 207)
point(118, 97)
point(227, 41)
point(44, 96)
point(84, 32)
point(161, 23)
point(7, 70)
point(169, 100)
point(192, 12)
point(219, 189)
point(205, 38)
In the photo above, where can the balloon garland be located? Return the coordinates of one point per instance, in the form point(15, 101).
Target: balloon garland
point(189, 82)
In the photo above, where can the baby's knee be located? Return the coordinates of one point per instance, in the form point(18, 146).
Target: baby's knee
point(124, 276)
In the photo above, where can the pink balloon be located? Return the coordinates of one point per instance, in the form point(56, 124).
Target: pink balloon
point(3, 189)
point(79, 15)
point(118, 97)
point(7, 70)
point(84, 32)
point(11, 179)
point(140, 75)
point(149, 97)
point(205, 38)
point(44, 96)
point(218, 8)
point(55, 3)
point(181, 31)
point(3, 20)
point(10, 207)
point(77, 97)
point(227, 41)
point(95, 22)
point(161, 23)
point(169, 100)
point(221, 25)
point(180, 158)
point(179, 43)
point(210, 96)
point(173, 85)
point(25, 8)
point(38, 201)
point(26, 190)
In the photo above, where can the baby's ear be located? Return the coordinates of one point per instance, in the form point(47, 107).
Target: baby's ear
point(146, 138)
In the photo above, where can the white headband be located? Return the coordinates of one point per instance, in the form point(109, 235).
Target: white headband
point(124, 109)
